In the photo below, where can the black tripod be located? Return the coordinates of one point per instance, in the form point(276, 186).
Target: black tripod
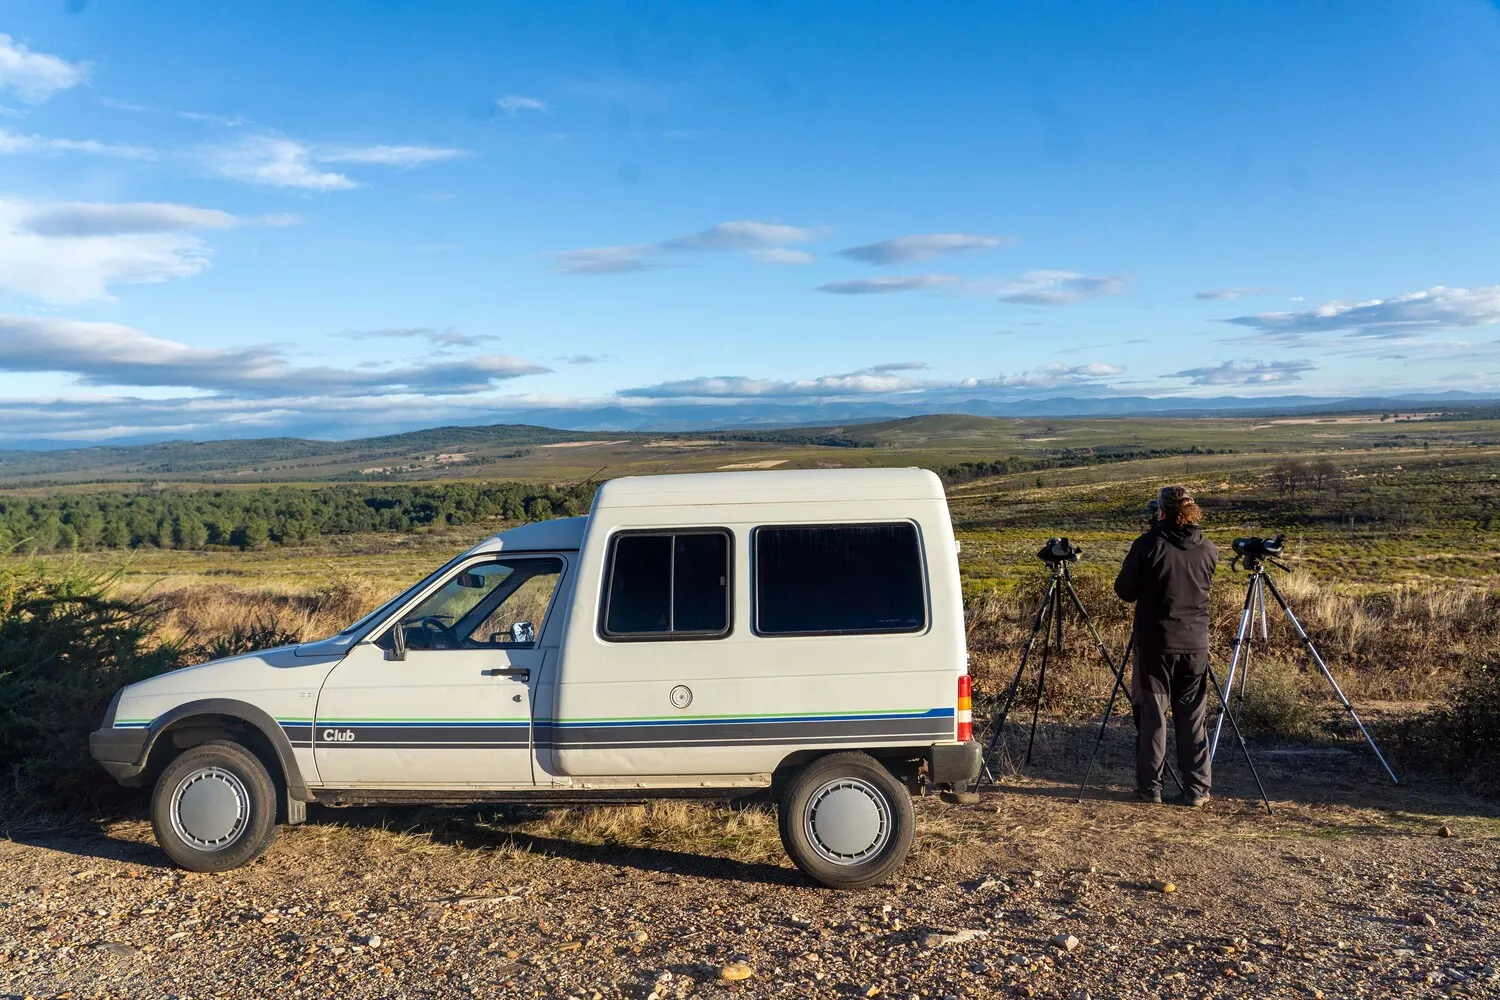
point(1255, 553)
point(1058, 553)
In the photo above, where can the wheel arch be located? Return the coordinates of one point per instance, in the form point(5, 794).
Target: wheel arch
point(214, 717)
point(904, 764)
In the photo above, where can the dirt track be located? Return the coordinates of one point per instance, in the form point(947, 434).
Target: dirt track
point(1333, 895)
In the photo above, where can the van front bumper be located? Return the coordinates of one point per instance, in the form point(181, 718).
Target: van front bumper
point(955, 764)
point(119, 752)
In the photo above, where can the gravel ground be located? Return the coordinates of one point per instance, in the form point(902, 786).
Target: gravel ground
point(1349, 890)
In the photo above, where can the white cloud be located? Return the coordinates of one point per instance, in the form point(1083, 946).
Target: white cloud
point(59, 267)
point(1054, 288)
point(886, 285)
point(75, 251)
point(275, 162)
point(861, 383)
point(1415, 313)
point(514, 104)
point(923, 246)
point(389, 156)
point(763, 241)
point(779, 255)
point(114, 354)
point(1229, 294)
point(278, 161)
point(604, 260)
point(228, 121)
point(1246, 373)
point(102, 218)
point(35, 76)
point(1050, 376)
point(444, 337)
point(877, 381)
point(12, 144)
point(744, 235)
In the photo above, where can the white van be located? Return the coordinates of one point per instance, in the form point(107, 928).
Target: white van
point(694, 635)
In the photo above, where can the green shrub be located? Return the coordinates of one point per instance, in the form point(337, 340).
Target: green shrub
point(1275, 704)
point(67, 643)
point(1469, 724)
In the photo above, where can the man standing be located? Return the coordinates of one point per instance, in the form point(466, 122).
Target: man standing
point(1166, 575)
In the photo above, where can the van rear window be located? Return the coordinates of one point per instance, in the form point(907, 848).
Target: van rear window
point(843, 579)
point(667, 585)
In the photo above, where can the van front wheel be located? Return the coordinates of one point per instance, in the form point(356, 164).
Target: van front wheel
point(214, 808)
point(845, 821)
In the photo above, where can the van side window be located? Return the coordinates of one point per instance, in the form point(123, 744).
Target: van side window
point(667, 585)
point(840, 579)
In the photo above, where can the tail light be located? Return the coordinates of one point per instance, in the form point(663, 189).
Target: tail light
point(965, 709)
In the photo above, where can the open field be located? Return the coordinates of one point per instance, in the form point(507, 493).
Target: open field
point(1389, 527)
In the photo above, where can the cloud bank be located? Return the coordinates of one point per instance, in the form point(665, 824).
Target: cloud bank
point(1414, 313)
point(764, 241)
point(76, 251)
point(1246, 373)
point(923, 246)
point(112, 354)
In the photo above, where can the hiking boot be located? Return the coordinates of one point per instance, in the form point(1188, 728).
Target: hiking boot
point(1193, 800)
point(1154, 796)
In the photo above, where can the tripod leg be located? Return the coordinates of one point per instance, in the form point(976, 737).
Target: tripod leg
point(1318, 659)
point(1055, 617)
point(1257, 610)
point(998, 723)
point(1240, 639)
point(1234, 724)
point(1109, 708)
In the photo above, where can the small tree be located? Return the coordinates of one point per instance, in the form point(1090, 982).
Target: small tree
point(1323, 472)
point(253, 534)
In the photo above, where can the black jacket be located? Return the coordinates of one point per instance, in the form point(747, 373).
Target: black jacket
point(1166, 574)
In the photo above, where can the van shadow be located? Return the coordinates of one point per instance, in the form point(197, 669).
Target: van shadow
point(477, 827)
point(484, 827)
point(1330, 772)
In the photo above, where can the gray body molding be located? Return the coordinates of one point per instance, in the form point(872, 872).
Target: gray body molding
point(108, 737)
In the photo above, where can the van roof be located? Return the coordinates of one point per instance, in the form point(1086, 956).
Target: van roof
point(696, 489)
point(557, 535)
point(789, 486)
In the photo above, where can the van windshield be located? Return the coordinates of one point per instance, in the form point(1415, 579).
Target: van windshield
point(389, 607)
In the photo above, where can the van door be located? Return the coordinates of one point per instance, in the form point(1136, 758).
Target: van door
point(456, 711)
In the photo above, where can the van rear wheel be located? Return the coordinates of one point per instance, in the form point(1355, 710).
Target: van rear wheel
point(845, 821)
point(214, 808)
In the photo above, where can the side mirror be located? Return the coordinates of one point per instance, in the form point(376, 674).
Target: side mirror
point(522, 632)
point(398, 642)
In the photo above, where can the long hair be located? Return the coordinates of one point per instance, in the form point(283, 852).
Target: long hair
point(1182, 513)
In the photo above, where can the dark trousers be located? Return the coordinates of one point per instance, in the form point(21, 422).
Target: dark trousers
point(1178, 680)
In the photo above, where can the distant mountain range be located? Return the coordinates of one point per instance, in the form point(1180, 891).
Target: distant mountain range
point(749, 415)
point(800, 423)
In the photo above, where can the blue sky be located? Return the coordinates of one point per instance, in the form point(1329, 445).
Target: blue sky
point(345, 218)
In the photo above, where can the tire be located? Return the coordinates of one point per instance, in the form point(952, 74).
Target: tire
point(867, 824)
point(214, 808)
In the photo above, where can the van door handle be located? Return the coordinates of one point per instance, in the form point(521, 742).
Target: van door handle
point(519, 673)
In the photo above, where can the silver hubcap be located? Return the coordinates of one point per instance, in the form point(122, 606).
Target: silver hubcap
point(210, 809)
point(848, 821)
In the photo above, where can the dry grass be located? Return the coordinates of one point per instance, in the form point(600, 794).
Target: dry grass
point(214, 618)
point(1405, 643)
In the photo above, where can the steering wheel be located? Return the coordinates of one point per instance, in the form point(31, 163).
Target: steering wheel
point(439, 634)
